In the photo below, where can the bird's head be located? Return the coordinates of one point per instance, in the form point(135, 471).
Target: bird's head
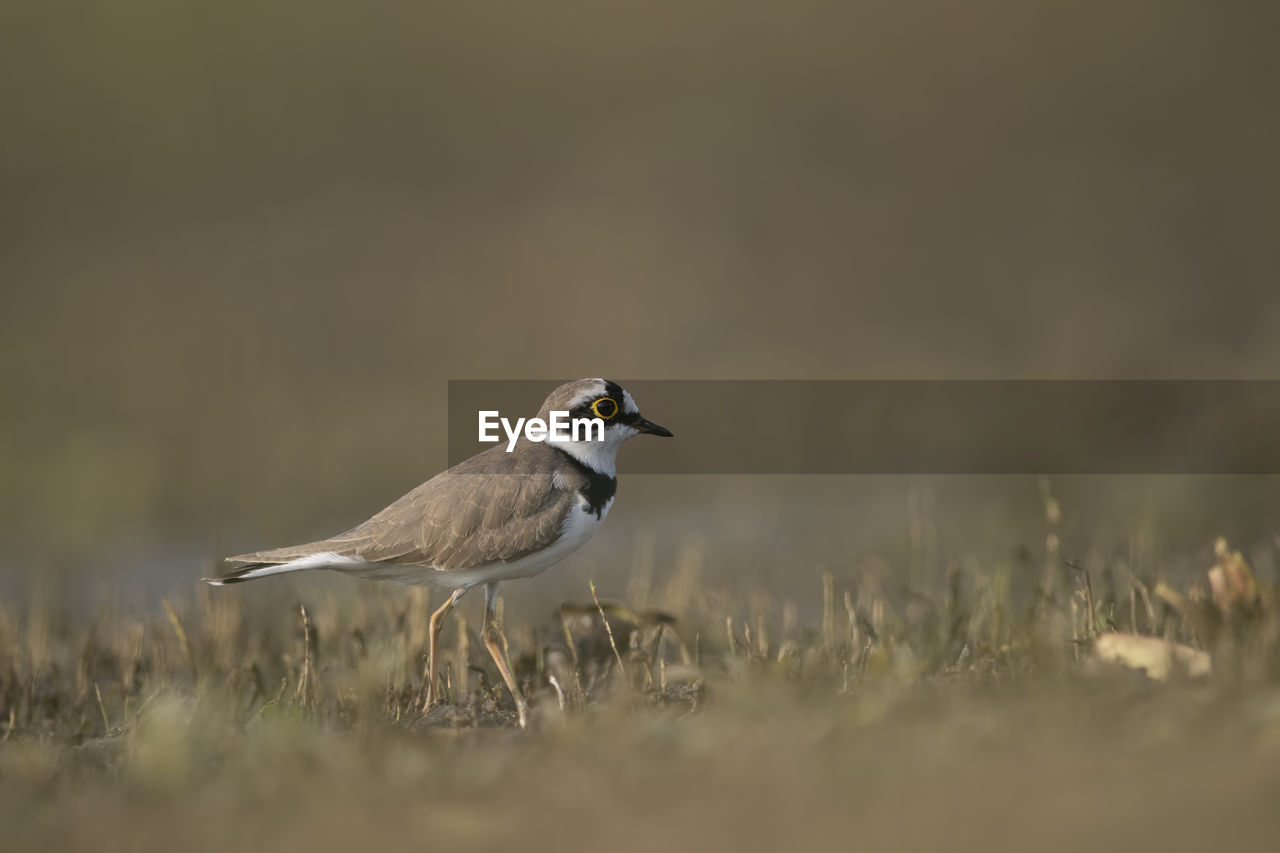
point(610, 404)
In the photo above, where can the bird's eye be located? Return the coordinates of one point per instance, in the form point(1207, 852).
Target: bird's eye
point(605, 407)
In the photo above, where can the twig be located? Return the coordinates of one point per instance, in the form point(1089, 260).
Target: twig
point(1146, 602)
point(176, 622)
point(828, 610)
point(579, 693)
point(102, 708)
point(1092, 620)
point(559, 691)
point(284, 685)
point(656, 648)
point(608, 630)
point(303, 693)
point(137, 715)
point(853, 619)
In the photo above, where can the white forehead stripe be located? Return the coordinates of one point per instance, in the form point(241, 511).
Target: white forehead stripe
point(590, 394)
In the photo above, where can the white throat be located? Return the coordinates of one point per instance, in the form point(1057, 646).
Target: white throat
point(599, 456)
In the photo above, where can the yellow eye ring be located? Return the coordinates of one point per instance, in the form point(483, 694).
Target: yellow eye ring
point(605, 407)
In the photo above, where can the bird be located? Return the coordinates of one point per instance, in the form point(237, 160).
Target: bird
point(505, 513)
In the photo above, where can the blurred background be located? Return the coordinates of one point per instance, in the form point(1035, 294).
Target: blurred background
point(243, 247)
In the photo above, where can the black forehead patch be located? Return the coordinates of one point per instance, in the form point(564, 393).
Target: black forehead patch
point(612, 390)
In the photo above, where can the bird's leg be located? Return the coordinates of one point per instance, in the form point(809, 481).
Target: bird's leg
point(433, 643)
point(496, 643)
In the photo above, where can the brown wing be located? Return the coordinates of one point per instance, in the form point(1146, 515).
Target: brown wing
point(495, 506)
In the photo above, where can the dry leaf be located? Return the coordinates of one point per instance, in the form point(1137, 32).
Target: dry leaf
point(1152, 655)
point(1231, 580)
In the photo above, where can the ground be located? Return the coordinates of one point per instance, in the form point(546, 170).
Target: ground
point(956, 717)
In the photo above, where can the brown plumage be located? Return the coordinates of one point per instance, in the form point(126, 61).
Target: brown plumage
point(495, 506)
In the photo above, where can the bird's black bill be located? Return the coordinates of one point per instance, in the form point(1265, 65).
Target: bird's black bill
point(648, 427)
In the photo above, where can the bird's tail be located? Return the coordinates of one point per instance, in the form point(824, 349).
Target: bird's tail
point(266, 563)
point(249, 572)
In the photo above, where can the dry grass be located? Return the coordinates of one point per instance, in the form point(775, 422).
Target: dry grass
point(972, 715)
